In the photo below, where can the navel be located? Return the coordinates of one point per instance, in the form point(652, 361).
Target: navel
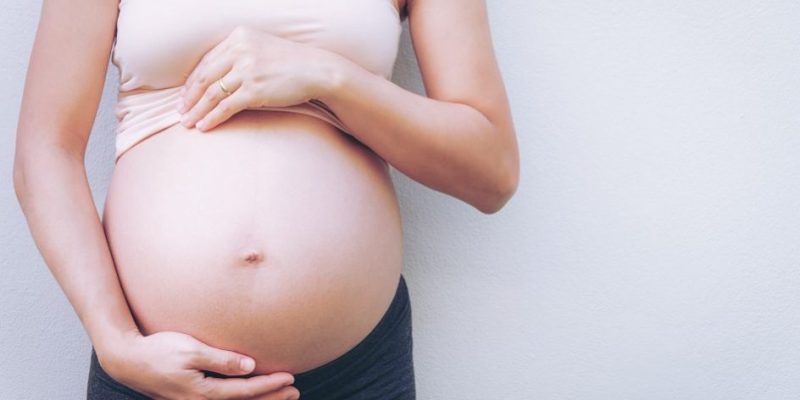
point(252, 256)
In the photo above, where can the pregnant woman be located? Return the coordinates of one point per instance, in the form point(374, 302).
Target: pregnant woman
point(250, 245)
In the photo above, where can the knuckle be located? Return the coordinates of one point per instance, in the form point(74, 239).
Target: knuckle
point(246, 61)
point(205, 390)
point(239, 33)
point(239, 48)
point(188, 348)
point(209, 95)
point(246, 95)
point(246, 85)
point(192, 353)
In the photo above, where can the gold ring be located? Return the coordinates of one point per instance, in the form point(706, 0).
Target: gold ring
point(222, 86)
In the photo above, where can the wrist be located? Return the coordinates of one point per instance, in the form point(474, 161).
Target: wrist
point(113, 345)
point(335, 75)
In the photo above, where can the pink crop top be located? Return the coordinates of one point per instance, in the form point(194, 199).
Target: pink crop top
point(158, 42)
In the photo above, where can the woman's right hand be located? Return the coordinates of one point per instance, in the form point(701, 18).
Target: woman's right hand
point(169, 365)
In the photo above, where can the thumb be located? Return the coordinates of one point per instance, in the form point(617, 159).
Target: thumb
point(223, 361)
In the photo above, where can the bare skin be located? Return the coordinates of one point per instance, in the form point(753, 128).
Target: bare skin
point(459, 140)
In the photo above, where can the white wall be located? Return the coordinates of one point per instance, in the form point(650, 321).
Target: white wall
point(651, 252)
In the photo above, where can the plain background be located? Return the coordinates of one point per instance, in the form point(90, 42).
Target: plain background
point(652, 250)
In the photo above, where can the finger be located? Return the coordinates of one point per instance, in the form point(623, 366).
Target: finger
point(226, 388)
point(221, 361)
point(224, 46)
point(208, 57)
point(206, 76)
point(210, 98)
point(237, 101)
point(287, 393)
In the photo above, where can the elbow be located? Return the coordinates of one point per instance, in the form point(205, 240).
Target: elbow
point(19, 179)
point(501, 189)
point(24, 154)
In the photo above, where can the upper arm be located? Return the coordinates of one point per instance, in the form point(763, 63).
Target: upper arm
point(453, 45)
point(66, 73)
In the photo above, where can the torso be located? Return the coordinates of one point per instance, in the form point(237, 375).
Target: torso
point(274, 235)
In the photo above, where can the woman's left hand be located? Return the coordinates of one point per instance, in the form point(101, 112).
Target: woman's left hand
point(258, 69)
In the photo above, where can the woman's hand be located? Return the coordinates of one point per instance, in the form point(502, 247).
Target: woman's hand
point(170, 365)
point(258, 69)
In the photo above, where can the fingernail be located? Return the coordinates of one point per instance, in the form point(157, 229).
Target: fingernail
point(185, 120)
point(247, 364)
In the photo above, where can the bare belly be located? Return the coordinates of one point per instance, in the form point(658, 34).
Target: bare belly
point(274, 235)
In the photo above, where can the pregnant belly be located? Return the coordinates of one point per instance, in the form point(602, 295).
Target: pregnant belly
point(274, 235)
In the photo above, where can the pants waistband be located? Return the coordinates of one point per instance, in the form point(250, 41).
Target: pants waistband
point(358, 358)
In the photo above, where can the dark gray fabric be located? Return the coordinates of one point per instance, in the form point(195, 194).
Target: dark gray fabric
point(380, 367)
point(102, 386)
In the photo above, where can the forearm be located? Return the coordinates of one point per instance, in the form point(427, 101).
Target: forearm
point(55, 196)
point(447, 146)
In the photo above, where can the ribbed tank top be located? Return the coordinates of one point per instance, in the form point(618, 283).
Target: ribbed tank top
point(159, 42)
